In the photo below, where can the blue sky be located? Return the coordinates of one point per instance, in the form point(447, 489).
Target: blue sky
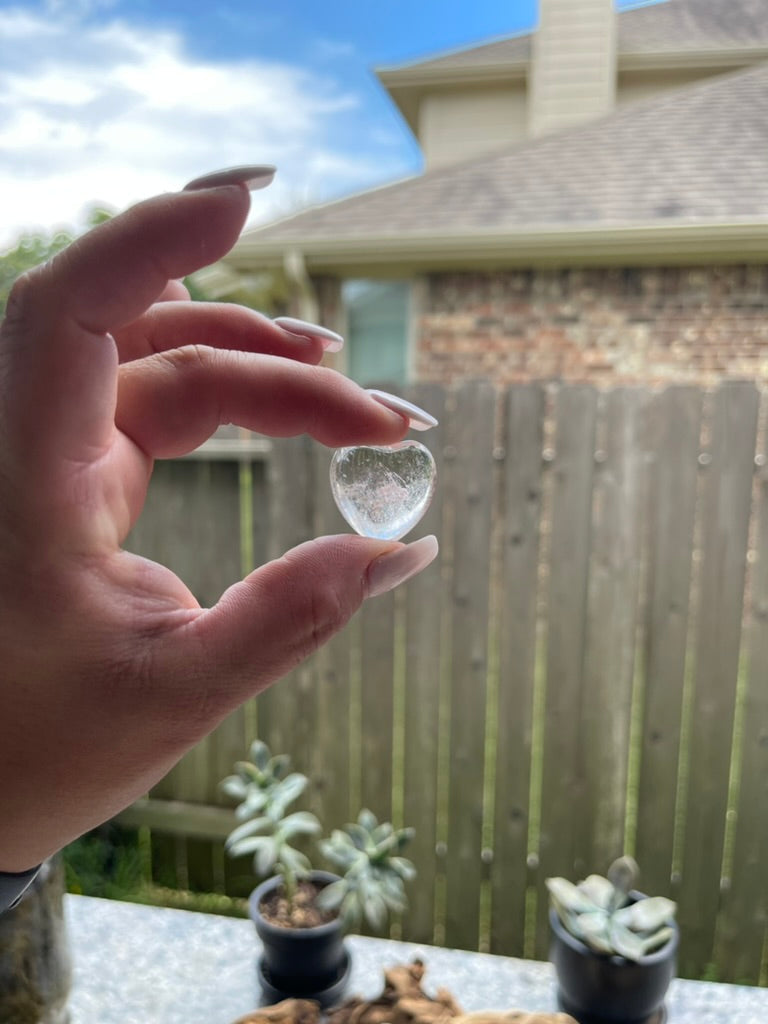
point(107, 101)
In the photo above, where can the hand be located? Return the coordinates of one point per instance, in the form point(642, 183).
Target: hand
point(109, 669)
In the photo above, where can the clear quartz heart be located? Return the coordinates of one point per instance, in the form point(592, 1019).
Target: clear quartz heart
point(383, 492)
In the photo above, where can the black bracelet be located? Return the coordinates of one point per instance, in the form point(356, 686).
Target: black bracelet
point(14, 885)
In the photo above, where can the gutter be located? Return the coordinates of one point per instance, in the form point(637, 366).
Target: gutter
point(479, 73)
point(531, 246)
point(515, 70)
point(735, 58)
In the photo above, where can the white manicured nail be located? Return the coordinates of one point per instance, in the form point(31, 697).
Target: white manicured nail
point(419, 419)
point(387, 571)
point(331, 341)
point(253, 176)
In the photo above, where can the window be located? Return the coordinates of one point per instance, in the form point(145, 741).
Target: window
point(377, 314)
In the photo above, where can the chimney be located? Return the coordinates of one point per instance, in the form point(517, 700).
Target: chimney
point(573, 67)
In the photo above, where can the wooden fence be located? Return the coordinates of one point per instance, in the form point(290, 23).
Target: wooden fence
point(583, 672)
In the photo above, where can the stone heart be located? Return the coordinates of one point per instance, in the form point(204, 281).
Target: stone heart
point(383, 492)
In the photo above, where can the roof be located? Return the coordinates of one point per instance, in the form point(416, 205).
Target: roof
point(669, 27)
point(692, 158)
point(694, 25)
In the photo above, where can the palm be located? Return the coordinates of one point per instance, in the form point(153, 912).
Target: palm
point(124, 483)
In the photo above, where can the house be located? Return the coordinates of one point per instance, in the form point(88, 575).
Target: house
point(593, 206)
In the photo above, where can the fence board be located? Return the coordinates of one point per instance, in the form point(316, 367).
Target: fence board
point(743, 932)
point(191, 525)
point(255, 503)
point(676, 423)
point(610, 644)
point(373, 730)
point(472, 436)
point(377, 667)
point(521, 496)
point(228, 744)
point(230, 740)
point(562, 799)
point(215, 500)
point(425, 608)
point(332, 768)
point(286, 711)
point(725, 522)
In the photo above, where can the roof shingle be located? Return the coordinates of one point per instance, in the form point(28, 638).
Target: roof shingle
point(672, 26)
point(696, 155)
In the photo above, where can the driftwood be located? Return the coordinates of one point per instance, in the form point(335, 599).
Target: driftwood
point(289, 1011)
point(403, 1001)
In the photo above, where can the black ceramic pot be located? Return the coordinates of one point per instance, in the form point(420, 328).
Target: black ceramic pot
point(599, 989)
point(304, 963)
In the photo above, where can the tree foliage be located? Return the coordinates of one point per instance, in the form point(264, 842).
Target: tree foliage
point(30, 250)
point(270, 292)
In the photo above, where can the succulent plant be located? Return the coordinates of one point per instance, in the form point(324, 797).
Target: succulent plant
point(601, 913)
point(261, 780)
point(366, 852)
point(373, 873)
point(266, 791)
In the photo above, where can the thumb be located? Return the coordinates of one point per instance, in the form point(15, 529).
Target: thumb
point(265, 625)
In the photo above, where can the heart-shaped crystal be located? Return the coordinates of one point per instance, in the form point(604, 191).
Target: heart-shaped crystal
point(383, 492)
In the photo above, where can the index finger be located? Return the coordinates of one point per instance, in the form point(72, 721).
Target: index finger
point(110, 276)
point(58, 357)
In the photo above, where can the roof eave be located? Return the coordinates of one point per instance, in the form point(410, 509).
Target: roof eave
point(631, 244)
point(735, 57)
point(411, 76)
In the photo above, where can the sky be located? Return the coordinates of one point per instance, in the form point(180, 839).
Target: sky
point(105, 102)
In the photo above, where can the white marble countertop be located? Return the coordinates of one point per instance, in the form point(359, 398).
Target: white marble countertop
point(148, 965)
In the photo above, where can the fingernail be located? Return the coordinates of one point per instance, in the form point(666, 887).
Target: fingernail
point(419, 419)
point(254, 176)
point(332, 341)
point(387, 571)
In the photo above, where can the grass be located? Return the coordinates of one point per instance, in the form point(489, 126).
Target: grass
point(115, 863)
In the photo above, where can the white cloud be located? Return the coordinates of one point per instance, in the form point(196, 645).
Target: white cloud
point(77, 7)
point(334, 49)
point(20, 24)
point(111, 113)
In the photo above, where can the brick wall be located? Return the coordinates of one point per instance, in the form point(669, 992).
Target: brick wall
point(607, 326)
